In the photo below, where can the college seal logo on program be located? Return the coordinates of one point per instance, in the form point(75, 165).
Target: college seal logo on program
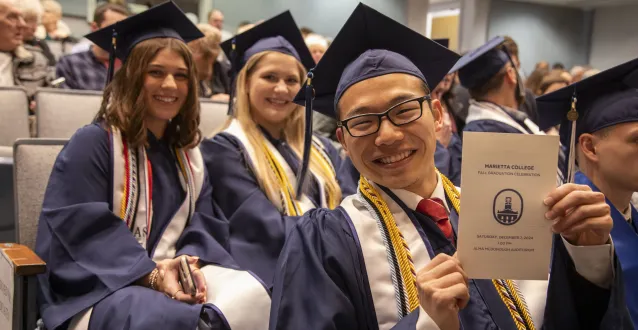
point(507, 207)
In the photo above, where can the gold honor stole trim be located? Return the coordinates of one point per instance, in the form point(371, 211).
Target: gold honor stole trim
point(507, 289)
point(289, 204)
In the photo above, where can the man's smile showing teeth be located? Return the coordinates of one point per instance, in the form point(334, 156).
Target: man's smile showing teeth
point(165, 99)
point(395, 158)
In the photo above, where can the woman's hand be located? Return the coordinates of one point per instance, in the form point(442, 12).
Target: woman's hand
point(168, 281)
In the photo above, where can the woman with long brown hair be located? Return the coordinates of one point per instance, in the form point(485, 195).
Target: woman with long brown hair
point(255, 158)
point(128, 209)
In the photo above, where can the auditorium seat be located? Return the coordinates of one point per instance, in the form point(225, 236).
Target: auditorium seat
point(61, 112)
point(33, 159)
point(213, 115)
point(14, 118)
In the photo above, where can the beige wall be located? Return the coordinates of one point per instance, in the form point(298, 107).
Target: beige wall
point(446, 27)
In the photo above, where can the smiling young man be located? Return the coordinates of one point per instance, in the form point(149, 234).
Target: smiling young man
point(606, 149)
point(385, 258)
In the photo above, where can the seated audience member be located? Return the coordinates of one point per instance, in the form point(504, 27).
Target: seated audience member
point(216, 19)
point(18, 66)
point(52, 26)
point(558, 66)
point(32, 13)
point(322, 125)
point(605, 149)
point(542, 65)
point(257, 155)
point(386, 258)
point(317, 45)
point(129, 199)
point(553, 81)
point(88, 69)
point(206, 50)
point(533, 82)
point(577, 73)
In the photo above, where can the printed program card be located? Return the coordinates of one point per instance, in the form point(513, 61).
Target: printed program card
point(503, 233)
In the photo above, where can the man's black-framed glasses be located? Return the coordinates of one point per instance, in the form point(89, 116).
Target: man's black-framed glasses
point(399, 114)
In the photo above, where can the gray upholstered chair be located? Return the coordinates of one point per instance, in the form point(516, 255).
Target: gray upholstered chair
point(61, 112)
point(33, 160)
point(14, 118)
point(213, 115)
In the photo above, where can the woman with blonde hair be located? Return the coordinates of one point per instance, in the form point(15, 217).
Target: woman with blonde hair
point(129, 231)
point(255, 158)
point(52, 26)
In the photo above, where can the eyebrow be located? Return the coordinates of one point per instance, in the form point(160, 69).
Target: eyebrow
point(394, 101)
point(163, 67)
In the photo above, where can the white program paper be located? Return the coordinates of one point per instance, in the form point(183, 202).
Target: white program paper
point(503, 233)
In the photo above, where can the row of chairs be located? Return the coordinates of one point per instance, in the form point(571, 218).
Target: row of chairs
point(33, 160)
point(59, 113)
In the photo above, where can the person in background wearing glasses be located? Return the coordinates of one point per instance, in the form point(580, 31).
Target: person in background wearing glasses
point(385, 259)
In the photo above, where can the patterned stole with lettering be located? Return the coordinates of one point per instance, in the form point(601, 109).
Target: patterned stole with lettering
point(133, 185)
point(402, 265)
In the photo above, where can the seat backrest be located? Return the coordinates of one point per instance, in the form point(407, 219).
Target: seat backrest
point(14, 115)
point(56, 47)
point(33, 161)
point(61, 112)
point(213, 115)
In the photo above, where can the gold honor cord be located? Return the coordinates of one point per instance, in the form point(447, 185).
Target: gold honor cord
point(404, 258)
point(288, 201)
point(511, 297)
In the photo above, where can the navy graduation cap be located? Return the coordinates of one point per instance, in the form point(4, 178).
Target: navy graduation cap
point(479, 65)
point(279, 33)
point(370, 44)
point(443, 42)
point(162, 21)
point(605, 99)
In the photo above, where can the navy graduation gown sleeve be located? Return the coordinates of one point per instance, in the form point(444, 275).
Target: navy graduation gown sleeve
point(575, 303)
point(344, 178)
point(489, 125)
point(257, 228)
point(320, 283)
point(90, 252)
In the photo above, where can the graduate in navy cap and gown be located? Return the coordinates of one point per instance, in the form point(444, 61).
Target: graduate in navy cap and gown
point(385, 258)
point(603, 143)
point(256, 156)
point(129, 196)
point(496, 91)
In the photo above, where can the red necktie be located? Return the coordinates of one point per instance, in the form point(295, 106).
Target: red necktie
point(434, 209)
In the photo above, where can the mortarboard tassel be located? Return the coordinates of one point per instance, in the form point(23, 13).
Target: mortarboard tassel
point(111, 69)
point(307, 143)
point(572, 116)
point(233, 77)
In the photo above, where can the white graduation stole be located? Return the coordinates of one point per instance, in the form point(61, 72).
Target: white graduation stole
point(133, 192)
